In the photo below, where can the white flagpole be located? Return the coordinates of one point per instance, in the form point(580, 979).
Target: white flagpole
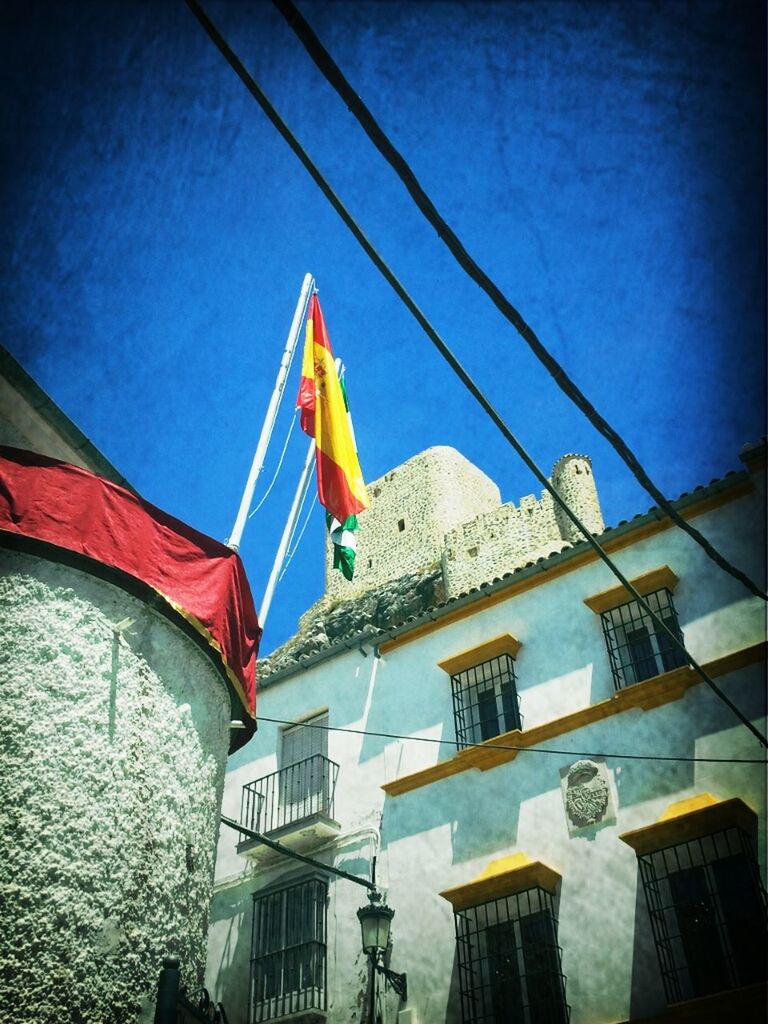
point(287, 531)
point(293, 515)
point(269, 419)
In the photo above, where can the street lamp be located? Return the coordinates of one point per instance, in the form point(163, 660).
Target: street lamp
point(375, 921)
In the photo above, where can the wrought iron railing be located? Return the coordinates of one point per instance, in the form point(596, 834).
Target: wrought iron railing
point(290, 794)
point(636, 647)
point(707, 907)
point(509, 961)
point(485, 700)
point(288, 958)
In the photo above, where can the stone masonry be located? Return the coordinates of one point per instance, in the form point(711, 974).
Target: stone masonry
point(435, 529)
point(412, 508)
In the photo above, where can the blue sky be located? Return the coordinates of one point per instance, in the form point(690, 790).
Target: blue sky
point(603, 161)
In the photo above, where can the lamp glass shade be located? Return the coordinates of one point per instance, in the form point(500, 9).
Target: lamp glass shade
point(375, 921)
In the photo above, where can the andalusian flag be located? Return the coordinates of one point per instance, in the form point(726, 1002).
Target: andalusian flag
point(325, 416)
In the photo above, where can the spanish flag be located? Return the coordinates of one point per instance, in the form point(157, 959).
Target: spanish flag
point(324, 416)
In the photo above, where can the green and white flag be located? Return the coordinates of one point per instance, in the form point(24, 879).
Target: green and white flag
point(343, 534)
point(344, 543)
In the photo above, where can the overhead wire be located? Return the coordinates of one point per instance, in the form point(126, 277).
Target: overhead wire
point(333, 74)
point(519, 749)
point(261, 98)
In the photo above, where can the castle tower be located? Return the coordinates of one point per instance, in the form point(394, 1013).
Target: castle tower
point(572, 477)
point(412, 509)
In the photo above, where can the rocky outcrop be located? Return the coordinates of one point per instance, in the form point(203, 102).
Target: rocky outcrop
point(383, 608)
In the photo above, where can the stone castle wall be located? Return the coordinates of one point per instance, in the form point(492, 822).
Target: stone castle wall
point(435, 529)
point(510, 536)
point(412, 509)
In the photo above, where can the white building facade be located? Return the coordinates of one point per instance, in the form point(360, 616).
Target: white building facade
point(567, 821)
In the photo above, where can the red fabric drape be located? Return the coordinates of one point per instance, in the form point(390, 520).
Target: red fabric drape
point(201, 578)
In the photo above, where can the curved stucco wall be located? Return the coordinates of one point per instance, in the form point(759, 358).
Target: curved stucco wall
point(113, 748)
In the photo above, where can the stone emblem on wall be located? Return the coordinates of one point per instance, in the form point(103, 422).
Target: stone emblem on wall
point(587, 795)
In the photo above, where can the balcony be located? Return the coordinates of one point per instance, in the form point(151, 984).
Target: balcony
point(293, 805)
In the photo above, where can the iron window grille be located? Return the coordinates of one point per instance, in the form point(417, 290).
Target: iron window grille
point(485, 700)
point(509, 961)
point(636, 649)
point(707, 907)
point(289, 795)
point(288, 951)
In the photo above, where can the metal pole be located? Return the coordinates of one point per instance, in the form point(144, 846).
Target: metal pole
point(287, 531)
point(372, 1013)
point(167, 992)
point(273, 844)
point(269, 419)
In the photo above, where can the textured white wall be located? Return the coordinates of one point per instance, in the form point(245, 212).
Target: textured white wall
point(112, 759)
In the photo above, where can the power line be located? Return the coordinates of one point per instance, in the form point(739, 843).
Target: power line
point(533, 750)
point(263, 100)
point(394, 158)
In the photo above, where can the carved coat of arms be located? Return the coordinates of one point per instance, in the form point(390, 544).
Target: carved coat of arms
point(586, 794)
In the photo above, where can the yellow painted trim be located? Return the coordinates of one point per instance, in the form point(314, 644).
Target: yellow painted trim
point(504, 644)
point(645, 584)
point(690, 819)
point(651, 693)
point(516, 587)
point(502, 877)
point(688, 806)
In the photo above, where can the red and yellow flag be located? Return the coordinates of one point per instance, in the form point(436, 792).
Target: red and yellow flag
point(324, 416)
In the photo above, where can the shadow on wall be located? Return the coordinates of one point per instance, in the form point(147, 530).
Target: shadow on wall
point(647, 992)
point(230, 922)
point(380, 707)
point(453, 1013)
point(481, 808)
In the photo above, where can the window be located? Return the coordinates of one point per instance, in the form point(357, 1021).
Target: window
point(707, 909)
point(304, 776)
point(637, 649)
point(304, 784)
point(485, 701)
point(705, 900)
point(509, 961)
point(288, 961)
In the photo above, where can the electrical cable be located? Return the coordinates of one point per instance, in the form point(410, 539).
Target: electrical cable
point(533, 750)
point(394, 158)
point(261, 98)
point(279, 466)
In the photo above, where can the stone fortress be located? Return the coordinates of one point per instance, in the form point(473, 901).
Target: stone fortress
point(437, 528)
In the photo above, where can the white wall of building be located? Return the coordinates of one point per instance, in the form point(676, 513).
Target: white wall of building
point(443, 834)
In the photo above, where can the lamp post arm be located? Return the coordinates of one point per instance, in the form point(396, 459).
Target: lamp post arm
point(273, 844)
point(399, 982)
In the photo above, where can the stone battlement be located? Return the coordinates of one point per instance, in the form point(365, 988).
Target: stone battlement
point(435, 529)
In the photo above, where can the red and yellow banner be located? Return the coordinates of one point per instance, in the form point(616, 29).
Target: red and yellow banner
point(324, 416)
